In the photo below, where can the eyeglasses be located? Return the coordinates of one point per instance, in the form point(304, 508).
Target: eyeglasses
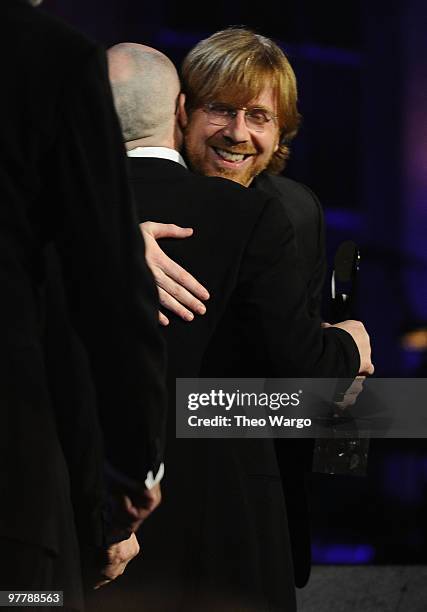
point(222, 114)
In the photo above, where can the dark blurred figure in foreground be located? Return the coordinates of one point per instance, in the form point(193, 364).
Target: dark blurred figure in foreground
point(56, 187)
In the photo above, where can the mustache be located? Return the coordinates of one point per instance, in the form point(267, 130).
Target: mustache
point(238, 149)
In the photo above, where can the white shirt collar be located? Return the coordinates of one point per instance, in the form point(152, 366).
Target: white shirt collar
point(160, 152)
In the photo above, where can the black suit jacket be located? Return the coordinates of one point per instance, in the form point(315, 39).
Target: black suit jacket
point(244, 250)
point(220, 539)
point(306, 216)
point(296, 456)
point(63, 180)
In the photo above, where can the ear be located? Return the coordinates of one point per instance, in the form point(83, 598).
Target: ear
point(181, 112)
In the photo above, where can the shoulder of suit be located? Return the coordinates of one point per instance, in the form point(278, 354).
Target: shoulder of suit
point(298, 199)
point(286, 186)
point(229, 199)
point(230, 190)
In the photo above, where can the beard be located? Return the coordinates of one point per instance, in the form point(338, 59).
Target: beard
point(201, 164)
point(243, 177)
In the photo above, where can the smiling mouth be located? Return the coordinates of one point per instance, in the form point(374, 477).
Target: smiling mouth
point(231, 157)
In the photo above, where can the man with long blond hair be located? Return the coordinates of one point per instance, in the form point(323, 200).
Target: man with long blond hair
point(227, 78)
point(241, 116)
point(237, 67)
point(241, 101)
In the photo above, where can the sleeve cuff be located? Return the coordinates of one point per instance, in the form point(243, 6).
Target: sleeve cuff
point(122, 480)
point(152, 480)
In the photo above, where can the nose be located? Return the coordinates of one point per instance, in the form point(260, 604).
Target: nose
point(237, 131)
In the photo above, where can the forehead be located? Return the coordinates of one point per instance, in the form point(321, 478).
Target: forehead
point(265, 98)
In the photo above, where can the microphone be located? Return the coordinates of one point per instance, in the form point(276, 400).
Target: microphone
point(344, 281)
point(336, 455)
point(343, 294)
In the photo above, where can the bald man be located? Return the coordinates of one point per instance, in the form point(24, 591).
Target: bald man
point(220, 540)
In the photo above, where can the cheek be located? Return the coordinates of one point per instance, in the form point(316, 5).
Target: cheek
point(274, 145)
point(271, 144)
point(267, 146)
point(195, 137)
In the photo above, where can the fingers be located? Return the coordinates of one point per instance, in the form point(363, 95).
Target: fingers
point(367, 370)
point(153, 497)
point(352, 393)
point(165, 230)
point(180, 294)
point(180, 278)
point(175, 298)
point(174, 306)
point(366, 365)
point(163, 320)
point(130, 510)
point(360, 336)
point(144, 503)
point(118, 556)
point(185, 292)
point(139, 505)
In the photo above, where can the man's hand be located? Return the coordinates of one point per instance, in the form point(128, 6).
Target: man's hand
point(359, 334)
point(131, 508)
point(139, 506)
point(130, 511)
point(178, 290)
point(117, 556)
point(352, 393)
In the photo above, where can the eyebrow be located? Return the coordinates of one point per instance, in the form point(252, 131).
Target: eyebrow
point(254, 107)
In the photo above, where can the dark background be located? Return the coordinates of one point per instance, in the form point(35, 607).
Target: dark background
point(362, 74)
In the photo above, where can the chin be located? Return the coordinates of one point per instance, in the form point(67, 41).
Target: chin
point(244, 178)
point(242, 181)
point(238, 178)
point(227, 174)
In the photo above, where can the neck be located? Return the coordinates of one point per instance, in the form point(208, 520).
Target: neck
point(153, 141)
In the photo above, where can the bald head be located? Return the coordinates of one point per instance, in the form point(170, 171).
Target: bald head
point(145, 88)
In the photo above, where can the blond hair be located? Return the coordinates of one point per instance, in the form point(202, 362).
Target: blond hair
point(234, 66)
